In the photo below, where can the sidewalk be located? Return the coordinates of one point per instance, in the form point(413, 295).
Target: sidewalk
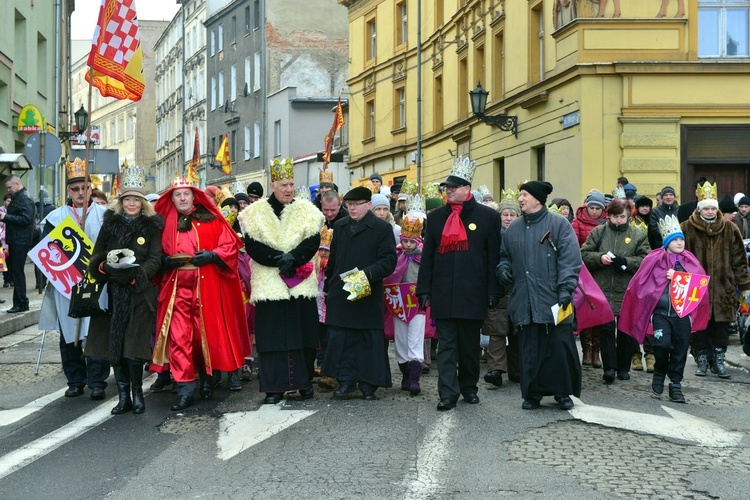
point(11, 323)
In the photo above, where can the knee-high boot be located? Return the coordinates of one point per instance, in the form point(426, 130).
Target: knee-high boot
point(595, 344)
point(415, 370)
point(136, 382)
point(586, 347)
point(122, 377)
point(404, 368)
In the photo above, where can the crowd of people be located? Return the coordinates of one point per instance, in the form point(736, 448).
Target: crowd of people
point(313, 288)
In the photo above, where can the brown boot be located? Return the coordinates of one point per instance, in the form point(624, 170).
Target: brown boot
point(586, 346)
point(650, 361)
point(637, 362)
point(596, 360)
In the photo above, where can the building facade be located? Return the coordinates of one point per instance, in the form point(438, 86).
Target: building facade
point(647, 90)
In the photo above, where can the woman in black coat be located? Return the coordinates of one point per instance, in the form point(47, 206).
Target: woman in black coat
point(124, 335)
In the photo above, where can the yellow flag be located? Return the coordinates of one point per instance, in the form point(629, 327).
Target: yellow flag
point(223, 156)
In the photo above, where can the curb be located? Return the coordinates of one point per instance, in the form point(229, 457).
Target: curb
point(13, 323)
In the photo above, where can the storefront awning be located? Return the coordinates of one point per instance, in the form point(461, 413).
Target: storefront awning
point(16, 161)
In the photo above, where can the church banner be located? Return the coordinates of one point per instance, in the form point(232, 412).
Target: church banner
point(401, 300)
point(686, 291)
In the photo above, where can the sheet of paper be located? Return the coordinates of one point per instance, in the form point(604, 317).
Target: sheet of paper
point(559, 314)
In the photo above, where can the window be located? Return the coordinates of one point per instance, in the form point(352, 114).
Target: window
point(19, 63)
point(233, 83)
point(479, 64)
point(246, 156)
point(536, 43)
point(221, 88)
point(371, 42)
point(437, 104)
point(370, 118)
point(247, 19)
point(256, 71)
point(463, 88)
point(540, 160)
point(256, 140)
point(256, 14)
point(213, 92)
point(41, 62)
point(399, 119)
point(401, 25)
point(277, 138)
point(201, 86)
point(498, 64)
point(233, 146)
point(112, 135)
point(233, 30)
point(723, 28)
point(130, 126)
point(213, 43)
point(248, 66)
point(221, 37)
point(438, 13)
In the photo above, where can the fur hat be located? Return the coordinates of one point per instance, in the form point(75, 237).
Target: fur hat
point(644, 201)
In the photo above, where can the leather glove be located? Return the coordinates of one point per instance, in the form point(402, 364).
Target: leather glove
point(167, 263)
point(620, 263)
point(492, 302)
point(564, 298)
point(285, 262)
point(424, 301)
point(120, 276)
point(504, 276)
point(203, 257)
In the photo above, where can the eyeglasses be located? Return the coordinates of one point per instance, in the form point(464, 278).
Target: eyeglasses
point(352, 204)
point(77, 189)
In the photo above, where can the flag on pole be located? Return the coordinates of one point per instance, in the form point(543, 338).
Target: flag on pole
point(116, 58)
point(338, 122)
point(223, 156)
point(192, 170)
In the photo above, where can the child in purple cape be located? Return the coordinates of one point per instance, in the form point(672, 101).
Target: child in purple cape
point(647, 308)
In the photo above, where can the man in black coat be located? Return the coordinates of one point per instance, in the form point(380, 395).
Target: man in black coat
point(330, 205)
point(357, 352)
point(456, 277)
point(19, 231)
point(668, 206)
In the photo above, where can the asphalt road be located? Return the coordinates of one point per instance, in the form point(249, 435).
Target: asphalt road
point(397, 447)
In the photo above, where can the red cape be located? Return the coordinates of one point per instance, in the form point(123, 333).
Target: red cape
point(224, 321)
point(646, 288)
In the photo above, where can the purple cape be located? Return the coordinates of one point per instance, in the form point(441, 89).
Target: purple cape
point(592, 309)
point(646, 288)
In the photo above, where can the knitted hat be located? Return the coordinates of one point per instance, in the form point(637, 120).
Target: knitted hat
point(358, 193)
point(596, 199)
point(242, 197)
point(379, 200)
point(707, 195)
point(745, 200)
point(726, 205)
point(509, 201)
point(539, 190)
point(644, 201)
point(667, 189)
point(630, 190)
point(376, 176)
point(669, 229)
point(255, 188)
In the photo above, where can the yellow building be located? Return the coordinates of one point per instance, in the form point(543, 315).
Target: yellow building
point(653, 91)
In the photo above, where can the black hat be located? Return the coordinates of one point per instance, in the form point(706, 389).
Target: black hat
point(667, 189)
point(726, 205)
point(745, 200)
point(242, 197)
point(644, 201)
point(538, 189)
point(454, 181)
point(358, 193)
point(255, 188)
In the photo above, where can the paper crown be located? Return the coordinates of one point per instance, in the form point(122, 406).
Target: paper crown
point(639, 225)
point(180, 182)
point(229, 215)
point(326, 236)
point(521, 183)
point(237, 187)
point(554, 209)
point(416, 203)
point(669, 225)
point(369, 185)
point(76, 170)
point(484, 191)
point(508, 194)
point(409, 188)
point(325, 176)
point(222, 195)
point(619, 192)
point(413, 222)
point(463, 168)
point(133, 180)
point(707, 191)
point(282, 169)
point(431, 191)
point(302, 193)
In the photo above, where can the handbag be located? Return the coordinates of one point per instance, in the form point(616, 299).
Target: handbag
point(84, 299)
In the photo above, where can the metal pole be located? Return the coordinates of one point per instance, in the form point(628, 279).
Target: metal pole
point(39, 354)
point(419, 92)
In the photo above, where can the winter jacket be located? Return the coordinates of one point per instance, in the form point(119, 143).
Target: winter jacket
point(623, 241)
point(718, 247)
point(583, 223)
point(19, 219)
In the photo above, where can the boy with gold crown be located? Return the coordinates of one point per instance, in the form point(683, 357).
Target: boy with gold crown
point(647, 308)
point(717, 244)
point(408, 323)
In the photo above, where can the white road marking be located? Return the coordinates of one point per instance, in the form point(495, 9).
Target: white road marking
point(678, 425)
point(13, 415)
point(240, 431)
point(426, 480)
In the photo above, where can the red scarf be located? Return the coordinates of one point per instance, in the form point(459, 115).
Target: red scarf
point(454, 237)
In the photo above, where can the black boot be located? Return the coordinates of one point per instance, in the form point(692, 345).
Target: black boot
point(657, 384)
point(718, 368)
point(701, 357)
point(207, 385)
point(122, 376)
point(415, 370)
point(136, 383)
point(404, 367)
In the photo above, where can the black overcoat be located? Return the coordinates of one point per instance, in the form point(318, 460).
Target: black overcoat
point(461, 283)
point(371, 249)
point(128, 329)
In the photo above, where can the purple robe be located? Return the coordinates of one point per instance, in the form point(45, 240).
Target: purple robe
point(592, 309)
point(646, 288)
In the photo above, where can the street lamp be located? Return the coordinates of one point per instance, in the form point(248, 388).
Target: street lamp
point(479, 104)
point(82, 120)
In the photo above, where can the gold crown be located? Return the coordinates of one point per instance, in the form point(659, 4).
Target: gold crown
point(282, 170)
point(76, 170)
point(416, 203)
point(508, 194)
point(409, 188)
point(228, 214)
point(180, 182)
point(553, 209)
point(431, 191)
point(707, 191)
point(302, 193)
point(669, 225)
point(521, 183)
point(237, 187)
point(369, 185)
point(639, 225)
point(619, 192)
point(411, 225)
point(326, 236)
point(325, 176)
point(221, 196)
point(463, 168)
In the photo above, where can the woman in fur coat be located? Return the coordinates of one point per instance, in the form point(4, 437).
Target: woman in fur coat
point(124, 335)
